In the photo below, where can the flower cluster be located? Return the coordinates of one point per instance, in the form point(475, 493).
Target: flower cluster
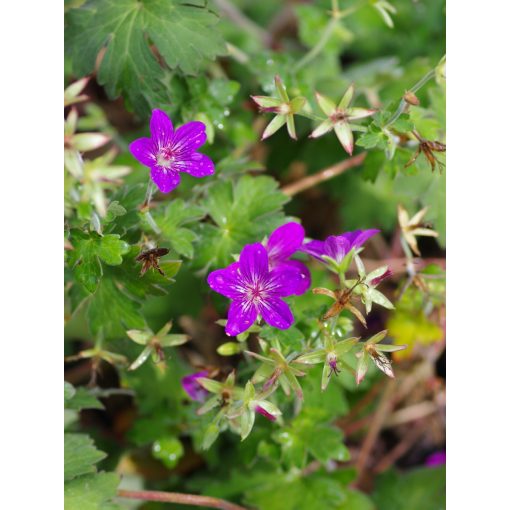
point(259, 280)
point(338, 250)
point(263, 275)
point(339, 117)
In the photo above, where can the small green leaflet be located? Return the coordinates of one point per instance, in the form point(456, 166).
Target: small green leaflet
point(80, 398)
point(183, 33)
point(88, 252)
point(171, 222)
point(80, 455)
point(115, 306)
point(90, 492)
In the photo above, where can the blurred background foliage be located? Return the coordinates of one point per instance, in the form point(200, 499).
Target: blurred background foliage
point(202, 61)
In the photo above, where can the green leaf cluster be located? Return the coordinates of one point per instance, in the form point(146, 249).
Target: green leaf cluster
point(242, 212)
point(184, 35)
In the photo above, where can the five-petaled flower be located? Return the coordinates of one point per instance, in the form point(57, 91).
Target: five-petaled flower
point(282, 244)
point(339, 118)
point(411, 228)
point(255, 289)
point(168, 152)
point(335, 249)
point(283, 106)
point(191, 386)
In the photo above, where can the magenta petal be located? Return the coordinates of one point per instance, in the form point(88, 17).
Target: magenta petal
point(276, 313)
point(144, 151)
point(285, 241)
point(364, 235)
point(165, 179)
point(198, 165)
point(225, 281)
point(357, 238)
point(161, 128)
point(304, 280)
point(336, 247)
point(436, 459)
point(253, 262)
point(241, 315)
point(192, 387)
point(188, 138)
point(288, 279)
point(315, 249)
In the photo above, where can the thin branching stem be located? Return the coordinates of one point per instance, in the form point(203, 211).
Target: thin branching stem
point(403, 104)
point(328, 31)
point(324, 175)
point(179, 498)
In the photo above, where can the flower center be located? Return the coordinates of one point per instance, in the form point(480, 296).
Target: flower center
point(255, 294)
point(338, 116)
point(165, 157)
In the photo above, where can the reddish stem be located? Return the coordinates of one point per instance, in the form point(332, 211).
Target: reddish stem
point(178, 497)
point(323, 175)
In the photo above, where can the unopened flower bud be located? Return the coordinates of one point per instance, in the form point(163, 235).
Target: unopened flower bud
point(376, 281)
point(260, 410)
point(410, 98)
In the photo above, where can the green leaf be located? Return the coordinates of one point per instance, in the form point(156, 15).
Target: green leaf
point(183, 33)
point(242, 213)
point(419, 489)
point(82, 399)
point(69, 391)
point(90, 492)
point(314, 492)
point(403, 124)
point(111, 248)
point(80, 455)
point(326, 443)
point(89, 248)
point(116, 305)
point(356, 500)
point(175, 215)
point(112, 311)
point(114, 210)
point(372, 139)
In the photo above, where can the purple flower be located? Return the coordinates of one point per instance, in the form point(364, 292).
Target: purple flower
point(337, 247)
point(282, 244)
point(266, 414)
point(168, 152)
point(436, 459)
point(192, 388)
point(256, 289)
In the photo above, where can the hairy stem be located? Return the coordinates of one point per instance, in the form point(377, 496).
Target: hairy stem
point(402, 105)
point(178, 497)
point(323, 175)
point(328, 31)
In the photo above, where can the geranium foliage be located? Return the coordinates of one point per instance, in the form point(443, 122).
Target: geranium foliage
point(254, 241)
